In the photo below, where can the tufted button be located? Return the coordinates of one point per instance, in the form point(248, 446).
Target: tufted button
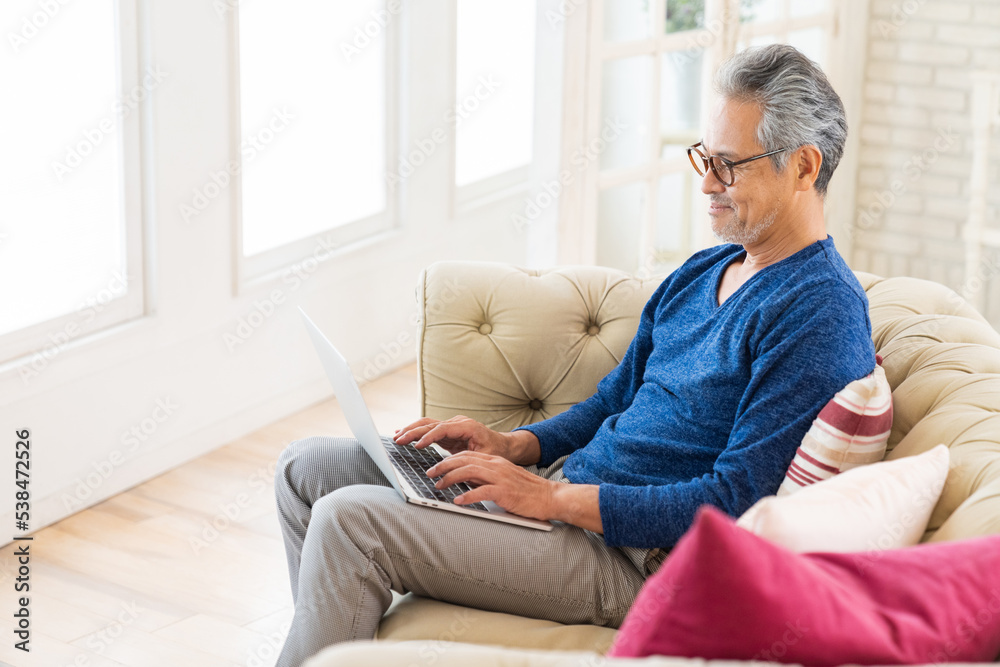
point(485, 328)
point(593, 330)
point(535, 404)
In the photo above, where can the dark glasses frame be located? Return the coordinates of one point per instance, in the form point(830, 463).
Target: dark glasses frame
point(720, 165)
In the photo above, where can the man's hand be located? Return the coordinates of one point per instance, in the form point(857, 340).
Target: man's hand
point(516, 490)
point(460, 434)
point(508, 485)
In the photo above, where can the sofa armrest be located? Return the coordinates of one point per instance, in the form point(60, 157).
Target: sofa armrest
point(510, 346)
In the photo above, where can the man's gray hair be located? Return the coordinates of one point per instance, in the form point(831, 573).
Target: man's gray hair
point(799, 106)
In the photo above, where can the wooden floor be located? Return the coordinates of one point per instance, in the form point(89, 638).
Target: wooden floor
point(187, 569)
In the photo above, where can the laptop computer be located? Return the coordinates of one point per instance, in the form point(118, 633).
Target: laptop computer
point(404, 466)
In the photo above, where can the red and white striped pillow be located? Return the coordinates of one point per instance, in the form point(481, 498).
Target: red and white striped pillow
point(851, 430)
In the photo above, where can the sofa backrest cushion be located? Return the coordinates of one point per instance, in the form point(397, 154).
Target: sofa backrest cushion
point(510, 346)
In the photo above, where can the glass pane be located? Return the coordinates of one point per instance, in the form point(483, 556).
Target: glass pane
point(680, 95)
point(759, 40)
point(62, 230)
point(760, 11)
point(312, 110)
point(625, 20)
point(685, 15)
point(675, 206)
point(494, 88)
point(625, 103)
point(619, 221)
point(681, 210)
point(810, 7)
point(811, 42)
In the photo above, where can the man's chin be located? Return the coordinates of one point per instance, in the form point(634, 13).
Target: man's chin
point(726, 231)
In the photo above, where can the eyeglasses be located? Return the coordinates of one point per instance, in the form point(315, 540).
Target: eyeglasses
point(720, 166)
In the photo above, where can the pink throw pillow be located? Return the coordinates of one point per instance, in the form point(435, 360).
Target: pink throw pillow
point(727, 594)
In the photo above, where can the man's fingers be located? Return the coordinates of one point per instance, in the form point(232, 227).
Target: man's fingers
point(414, 430)
point(478, 494)
point(472, 473)
point(409, 434)
point(423, 421)
point(457, 460)
point(443, 430)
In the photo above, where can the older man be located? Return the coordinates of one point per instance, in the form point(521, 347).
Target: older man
point(736, 353)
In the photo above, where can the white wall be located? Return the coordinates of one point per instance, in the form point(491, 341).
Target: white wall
point(170, 377)
point(916, 150)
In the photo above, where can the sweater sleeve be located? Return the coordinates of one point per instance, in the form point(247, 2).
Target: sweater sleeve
point(819, 344)
point(568, 431)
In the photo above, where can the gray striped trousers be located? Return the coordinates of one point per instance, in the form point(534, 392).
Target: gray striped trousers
point(350, 539)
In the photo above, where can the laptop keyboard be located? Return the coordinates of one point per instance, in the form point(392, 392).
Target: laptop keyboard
point(413, 463)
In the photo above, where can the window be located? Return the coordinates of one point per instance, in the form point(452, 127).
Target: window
point(70, 230)
point(315, 112)
point(650, 66)
point(494, 94)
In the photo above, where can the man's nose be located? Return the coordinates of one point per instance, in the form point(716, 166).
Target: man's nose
point(710, 184)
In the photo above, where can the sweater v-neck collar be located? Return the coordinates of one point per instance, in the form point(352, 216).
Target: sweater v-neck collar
point(720, 271)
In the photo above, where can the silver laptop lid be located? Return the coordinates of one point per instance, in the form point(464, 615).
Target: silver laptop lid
point(351, 402)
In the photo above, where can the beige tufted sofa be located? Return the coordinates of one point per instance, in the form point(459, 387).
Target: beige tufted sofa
point(510, 346)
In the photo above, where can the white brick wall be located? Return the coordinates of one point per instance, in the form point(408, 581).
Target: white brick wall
point(916, 146)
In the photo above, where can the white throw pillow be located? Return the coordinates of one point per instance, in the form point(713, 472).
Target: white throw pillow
point(879, 506)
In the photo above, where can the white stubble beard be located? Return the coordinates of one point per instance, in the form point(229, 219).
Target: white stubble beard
point(735, 229)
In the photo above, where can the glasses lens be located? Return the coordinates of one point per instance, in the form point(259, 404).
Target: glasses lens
point(722, 170)
point(698, 161)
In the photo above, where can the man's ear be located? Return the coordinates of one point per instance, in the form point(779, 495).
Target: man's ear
point(806, 161)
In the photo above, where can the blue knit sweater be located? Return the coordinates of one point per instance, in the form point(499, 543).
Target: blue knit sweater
point(710, 402)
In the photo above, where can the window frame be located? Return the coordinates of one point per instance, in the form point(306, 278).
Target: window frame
point(578, 224)
point(249, 273)
point(514, 184)
point(22, 347)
